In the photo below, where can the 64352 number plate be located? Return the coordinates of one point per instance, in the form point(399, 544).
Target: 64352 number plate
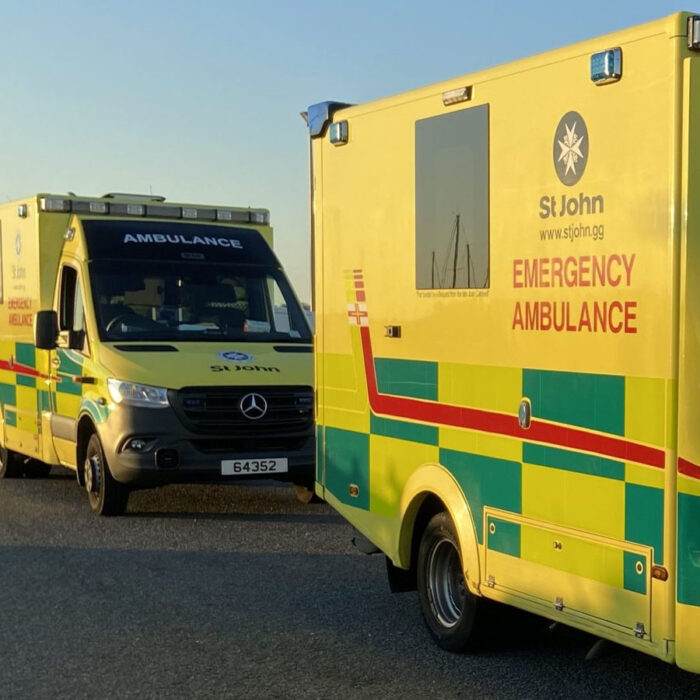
point(245, 467)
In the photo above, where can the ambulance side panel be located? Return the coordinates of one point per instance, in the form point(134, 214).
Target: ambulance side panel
point(30, 243)
point(571, 304)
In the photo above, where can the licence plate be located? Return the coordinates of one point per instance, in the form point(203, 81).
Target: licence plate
point(268, 465)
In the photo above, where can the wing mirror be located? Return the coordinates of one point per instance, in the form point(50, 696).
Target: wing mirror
point(45, 330)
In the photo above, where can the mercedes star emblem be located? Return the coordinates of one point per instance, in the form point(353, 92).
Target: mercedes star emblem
point(253, 406)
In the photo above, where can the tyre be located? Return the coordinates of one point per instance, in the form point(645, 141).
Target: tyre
point(106, 496)
point(454, 616)
point(10, 466)
point(34, 469)
point(306, 494)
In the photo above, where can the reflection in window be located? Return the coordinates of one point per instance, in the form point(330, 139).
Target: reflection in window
point(452, 200)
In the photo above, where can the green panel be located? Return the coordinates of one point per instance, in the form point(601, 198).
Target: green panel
point(486, 481)
point(71, 367)
point(26, 354)
point(45, 403)
point(402, 430)
point(11, 417)
point(419, 380)
point(347, 462)
point(70, 364)
point(505, 538)
point(8, 394)
point(319, 454)
point(24, 380)
point(688, 549)
point(644, 518)
point(588, 400)
point(573, 461)
point(99, 414)
point(635, 581)
point(68, 386)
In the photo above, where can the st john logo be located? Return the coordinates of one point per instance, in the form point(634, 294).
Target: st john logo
point(570, 149)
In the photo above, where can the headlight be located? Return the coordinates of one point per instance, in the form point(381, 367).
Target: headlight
point(137, 394)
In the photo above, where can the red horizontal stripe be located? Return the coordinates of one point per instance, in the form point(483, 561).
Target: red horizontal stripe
point(501, 423)
point(18, 368)
point(688, 468)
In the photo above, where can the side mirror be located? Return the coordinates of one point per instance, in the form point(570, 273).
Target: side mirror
point(45, 330)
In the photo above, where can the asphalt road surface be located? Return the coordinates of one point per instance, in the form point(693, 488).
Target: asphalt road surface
point(242, 592)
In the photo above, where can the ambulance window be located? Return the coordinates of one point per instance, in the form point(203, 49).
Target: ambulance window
point(79, 311)
point(69, 279)
point(71, 314)
point(452, 200)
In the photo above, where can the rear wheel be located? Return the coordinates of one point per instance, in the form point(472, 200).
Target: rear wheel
point(452, 613)
point(106, 496)
point(10, 466)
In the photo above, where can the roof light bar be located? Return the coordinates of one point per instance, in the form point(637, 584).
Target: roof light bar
point(155, 210)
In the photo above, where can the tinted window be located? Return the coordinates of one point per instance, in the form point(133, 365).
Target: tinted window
point(452, 200)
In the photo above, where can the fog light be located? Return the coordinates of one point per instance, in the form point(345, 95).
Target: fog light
point(167, 458)
point(136, 444)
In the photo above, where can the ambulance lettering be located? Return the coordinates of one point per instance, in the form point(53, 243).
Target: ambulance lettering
point(220, 242)
point(243, 368)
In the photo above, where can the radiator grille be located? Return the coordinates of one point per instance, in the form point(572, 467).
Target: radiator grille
point(217, 410)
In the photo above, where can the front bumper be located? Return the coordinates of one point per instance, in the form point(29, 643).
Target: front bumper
point(175, 454)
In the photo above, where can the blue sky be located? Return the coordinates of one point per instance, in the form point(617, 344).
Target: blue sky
point(200, 101)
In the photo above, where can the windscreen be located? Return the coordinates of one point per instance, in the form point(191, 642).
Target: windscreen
point(180, 301)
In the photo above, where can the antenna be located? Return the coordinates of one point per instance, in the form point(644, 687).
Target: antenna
point(454, 265)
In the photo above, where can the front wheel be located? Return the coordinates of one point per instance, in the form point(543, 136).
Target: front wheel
point(451, 612)
point(106, 496)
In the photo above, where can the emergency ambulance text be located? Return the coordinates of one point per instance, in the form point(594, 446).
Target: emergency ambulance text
point(593, 316)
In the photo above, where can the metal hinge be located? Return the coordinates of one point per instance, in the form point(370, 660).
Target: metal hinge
point(559, 604)
point(491, 581)
point(639, 630)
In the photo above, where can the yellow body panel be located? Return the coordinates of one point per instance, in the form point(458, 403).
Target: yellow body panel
point(587, 316)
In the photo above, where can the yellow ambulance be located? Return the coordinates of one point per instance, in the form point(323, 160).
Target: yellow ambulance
point(507, 303)
point(144, 342)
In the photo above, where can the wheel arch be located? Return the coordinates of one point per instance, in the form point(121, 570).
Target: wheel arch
point(85, 428)
point(429, 490)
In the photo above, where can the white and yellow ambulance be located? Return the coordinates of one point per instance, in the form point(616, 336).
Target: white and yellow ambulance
point(144, 342)
point(507, 298)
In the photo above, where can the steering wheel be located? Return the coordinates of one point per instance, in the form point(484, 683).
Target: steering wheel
point(141, 322)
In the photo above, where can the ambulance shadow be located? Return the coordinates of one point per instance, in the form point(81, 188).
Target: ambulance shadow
point(252, 502)
point(310, 519)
